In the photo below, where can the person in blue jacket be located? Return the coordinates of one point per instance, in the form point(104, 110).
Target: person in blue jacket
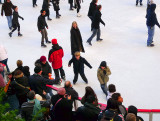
point(151, 22)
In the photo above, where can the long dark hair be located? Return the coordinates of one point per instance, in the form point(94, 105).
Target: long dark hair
point(89, 91)
point(94, 1)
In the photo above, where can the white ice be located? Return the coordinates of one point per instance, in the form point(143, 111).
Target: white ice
point(135, 67)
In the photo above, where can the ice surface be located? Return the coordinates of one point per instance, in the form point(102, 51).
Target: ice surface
point(135, 67)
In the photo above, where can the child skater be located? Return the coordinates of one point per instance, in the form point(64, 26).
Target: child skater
point(15, 22)
point(78, 66)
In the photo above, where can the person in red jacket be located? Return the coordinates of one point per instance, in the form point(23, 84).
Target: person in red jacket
point(55, 57)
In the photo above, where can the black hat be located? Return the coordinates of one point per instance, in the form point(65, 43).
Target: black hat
point(37, 69)
point(103, 64)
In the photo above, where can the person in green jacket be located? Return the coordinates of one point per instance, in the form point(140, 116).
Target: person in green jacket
point(103, 76)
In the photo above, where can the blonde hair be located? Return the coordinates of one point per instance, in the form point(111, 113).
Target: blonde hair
point(74, 22)
point(131, 117)
point(19, 63)
point(77, 53)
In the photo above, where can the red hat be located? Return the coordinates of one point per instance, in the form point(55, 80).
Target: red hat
point(54, 41)
point(43, 58)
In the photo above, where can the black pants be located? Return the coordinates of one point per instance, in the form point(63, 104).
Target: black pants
point(34, 2)
point(82, 75)
point(15, 27)
point(56, 72)
point(91, 22)
point(78, 6)
point(71, 5)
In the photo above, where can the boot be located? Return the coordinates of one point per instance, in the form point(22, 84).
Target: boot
point(78, 15)
point(43, 45)
point(64, 78)
point(136, 3)
point(48, 42)
point(57, 16)
point(49, 19)
point(10, 34)
point(19, 34)
point(99, 39)
point(89, 43)
point(141, 4)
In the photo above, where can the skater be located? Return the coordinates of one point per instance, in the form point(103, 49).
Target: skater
point(92, 9)
point(45, 7)
point(42, 25)
point(103, 76)
point(151, 22)
point(56, 7)
point(78, 6)
point(71, 4)
point(55, 57)
point(15, 22)
point(96, 25)
point(137, 1)
point(34, 3)
point(78, 66)
point(76, 39)
point(7, 8)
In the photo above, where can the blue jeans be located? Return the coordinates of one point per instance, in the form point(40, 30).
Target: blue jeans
point(5, 63)
point(95, 31)
point(104, 89)
point(9, 18)
point(139, 1)
point(150, 34)
point(13, 102)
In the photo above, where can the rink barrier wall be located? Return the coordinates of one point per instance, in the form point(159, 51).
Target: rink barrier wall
point(103, 106)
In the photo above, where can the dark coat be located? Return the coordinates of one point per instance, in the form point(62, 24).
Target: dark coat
point(88, 112)
point(109, 114)
point(92, 9)
point(72, 92)
point(151, 16)
point(56, 5)
point(55, 56)
point(27, 109)
point(19, 89)
point(97, 20)
point(63, 109)
point(15, 22)
point(46, 68)
point(41, 24)
point(78, 65)
point(38, 83)
point(76, 41)
point(24, 69)
point(7, 8)
point(45, 7)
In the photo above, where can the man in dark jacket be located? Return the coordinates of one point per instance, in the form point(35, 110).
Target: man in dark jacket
point(92, 9)
point(151, 22)
point(96, 25)
point(38, 83)
point(21, 86)
point(7, 8)
point(62, 106)
point(42, 25)
point(56, 7)
point(78, 66)
point(45, 7)
point(15, 22)
point(46, 68)
point(28, 108)
point(88, 112)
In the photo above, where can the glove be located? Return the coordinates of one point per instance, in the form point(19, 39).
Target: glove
point(22, 18)
point(104, 24)
point(104, 72)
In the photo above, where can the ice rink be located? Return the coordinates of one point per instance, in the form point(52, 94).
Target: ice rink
point(135, 67)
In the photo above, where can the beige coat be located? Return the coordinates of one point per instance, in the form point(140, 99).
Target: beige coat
point(103, 79)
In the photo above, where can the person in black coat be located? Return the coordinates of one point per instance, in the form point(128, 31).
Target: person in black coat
point(151, 22)
point(15, 22)
point(92, 9)
point(7, 8)
point(38, 83)
point(96, 25)
point(78, 66)
point(56, 7)
point(76, 39)
point(45, 7)
point(46, 68)
point(42, 25)
point(21, 86)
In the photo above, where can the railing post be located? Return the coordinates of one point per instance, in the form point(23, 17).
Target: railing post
point(150, 116)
